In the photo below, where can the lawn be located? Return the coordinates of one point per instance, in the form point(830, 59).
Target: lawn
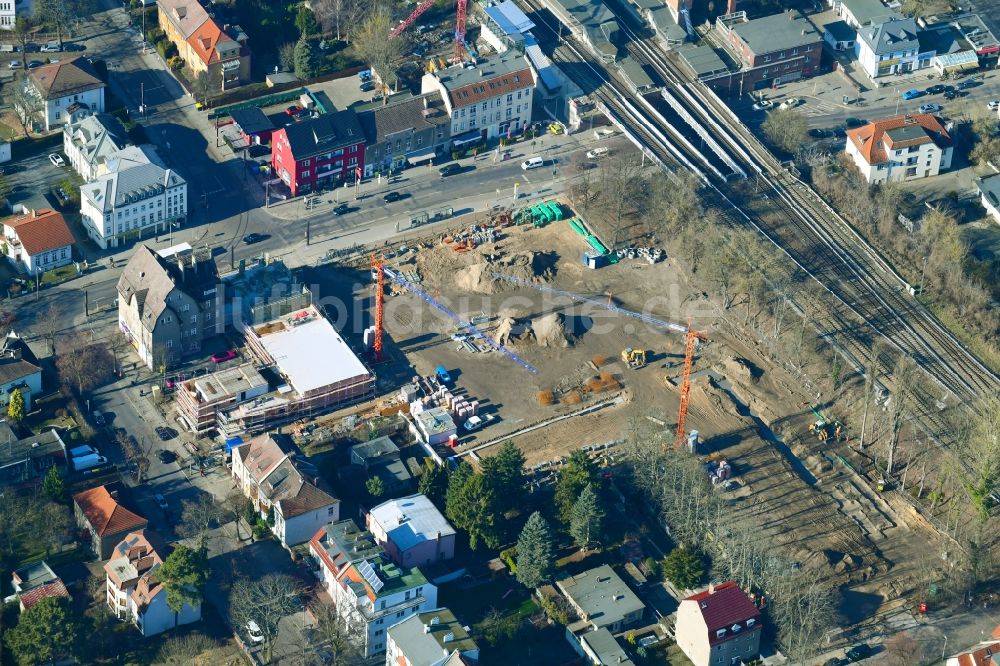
point(58, 275)
point(472, 604)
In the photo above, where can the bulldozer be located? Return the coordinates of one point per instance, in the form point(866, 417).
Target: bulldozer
point(634, 358)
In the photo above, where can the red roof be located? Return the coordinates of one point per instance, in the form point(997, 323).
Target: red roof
point(105, 514)
point(54, 589)
point(987, 654)
point(869, 138)
point(41, 230)
point(724, 606)
point(206, 38)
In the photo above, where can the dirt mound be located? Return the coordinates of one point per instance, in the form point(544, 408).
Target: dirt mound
point(512, 332)
point(530, 266)
point(740, 370)
point(550, 331)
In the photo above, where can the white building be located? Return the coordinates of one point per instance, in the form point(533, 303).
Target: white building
point(64, 88)
point(989, 194)
point(858, 13)
point(132, 203)
point(490, 100)
point(412, 531)
point(369, 591)
point(431, 638)
point(891, 47)
point(719, 626)
point(900, 148)
point(37, 241)
point(266, 471)
point(11, 9)
point(132, 591)
point(91, 140)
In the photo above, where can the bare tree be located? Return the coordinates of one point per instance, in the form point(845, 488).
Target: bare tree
point(265, 601)
point(872, 373)
point(903, 649)
point(22, 32)
point(26, 104)
point(621, 188)
point(286, 56)
point(787, 129)
point(342, 642)
point(199, 517)
point(803, 611)
point(136, 453)
point(983, 455)
point(903, 376)
point(374, 47)
point(82, 364)
point(236, 506)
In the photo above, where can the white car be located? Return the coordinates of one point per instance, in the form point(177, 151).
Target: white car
point(56, 160)
point(790, 103)
point(254, 633)
point(50, 48)
point(763, 105)
point(597, 153)
point(161, 501)
point(930, 108)
point(994, 105)
point(15, 64)
point(532, 163)
point(603, 133)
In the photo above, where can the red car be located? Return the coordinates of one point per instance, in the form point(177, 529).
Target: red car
point(222, 357)
point(292, 110)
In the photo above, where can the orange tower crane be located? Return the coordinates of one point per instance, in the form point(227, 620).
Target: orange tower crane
point(690, 342)
point(379, 269)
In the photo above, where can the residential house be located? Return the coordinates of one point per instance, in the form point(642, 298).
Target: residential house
point(134, 199)
point(167, 304)
point(989, 195)
point(858, 13)
point(20, 370)
point(267, 472)
point(37, 241)
point(900, 148)
point(100, 512)
point(412, 531)
point(412, 131)
point(35, 582)
point(89, 141)
point(891, 47)
point(369, 591)
point(222, 52)
point(601, 648)
point(987, 653)
point(719, 626)
point(602, 599)
point(380, 457)
point(25, 461)
point(319, 153)
point(11, 9)
point(491, 100)
point(431, 638)
point(254, 125)
point(132, 591)
point(64, 86)
point(772, 50)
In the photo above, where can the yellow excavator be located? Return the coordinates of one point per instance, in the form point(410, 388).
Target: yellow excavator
point(634, 358)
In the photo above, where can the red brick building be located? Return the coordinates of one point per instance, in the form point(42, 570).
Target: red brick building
point(319, 153)
point(772, 50)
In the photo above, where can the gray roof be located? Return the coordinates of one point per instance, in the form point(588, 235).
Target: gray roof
point(777, 32)
point(602, 595)
point(421, 637)
point(702, 59)
point(634, 71)
point(840, 31)
point(324, 133)
point(374, 449)
point(891, 36)
point(990, 188)
point(130, 185)
point(664, 23)
point(252, 120)
point(597, 20)
point(35, 575)
point(98, 137)
point(416, 113)
point(150, 278)
point(607, 649)
point(38, 452)
point(869, 11)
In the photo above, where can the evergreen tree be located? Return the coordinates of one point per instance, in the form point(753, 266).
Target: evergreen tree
point(534, 552)
point(47, 632)
point(456, 486)
point(576, 474)
point(375, 487)
point(471, 506)
point(305, 59)
point(504, 474)
point(434, 482)
point(305, 21)
point(15, 408)
point(53, 486)
point(683, 568)
point(586, 518)
point(183, 575)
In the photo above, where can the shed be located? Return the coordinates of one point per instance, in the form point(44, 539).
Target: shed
point(254, 125)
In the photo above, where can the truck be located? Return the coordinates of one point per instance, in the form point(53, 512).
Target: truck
point(476, 422)
point(81, 451)
point(442, 375)
point(86, 462)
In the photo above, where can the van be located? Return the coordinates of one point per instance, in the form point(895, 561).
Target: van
point(532, 163)
point(8, 48)
point(81, 451)
point(86, 462)
point(597, 153)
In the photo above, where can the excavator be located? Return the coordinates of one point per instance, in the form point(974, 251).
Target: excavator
point(634, 358)
point(824, 429)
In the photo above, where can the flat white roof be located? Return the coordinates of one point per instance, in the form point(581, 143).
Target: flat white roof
point(309, 351)
point(410, 521)
point(180, 248)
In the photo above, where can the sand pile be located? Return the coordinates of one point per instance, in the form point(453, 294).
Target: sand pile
point(512, 332)
point(550, 331)
point(740, 370)
point(530, 266)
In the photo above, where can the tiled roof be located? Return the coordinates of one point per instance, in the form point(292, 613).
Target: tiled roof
point(67, 77)
point(186, 15)
point(54, 589)
point(326, 133)
point(985, 654)
point(13, 369)
point(105, 514)
point(206, 39)
point(41, 230)
point(501, 75)
point(723, 607)
point(870, 139)
point(416, 113)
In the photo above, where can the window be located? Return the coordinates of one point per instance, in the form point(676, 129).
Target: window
point(330, 510)
point(751, 622)
point(194, 319)
point(509, 113)
point(420, 591)
point(305, 174)
point(510, 99)
point(407, 595)
point(305, 162)
point(400, 613)
point(382, 605)
point(380, 620)
point(379, 632)
point(194, 331)
point(170, 343)
point(719, 633)
point(187, 306)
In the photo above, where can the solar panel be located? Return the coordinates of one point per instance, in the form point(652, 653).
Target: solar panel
point(369, 575)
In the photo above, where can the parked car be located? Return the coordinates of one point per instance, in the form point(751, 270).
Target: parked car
point(836, 661)
point(936, 89)
point(912, 93)
point(763, 105)
point(57, 160)
point(51, 47)
point(367, 85)
point(603, 133)
point(292, 110)
point(250, 239)
point(35, 63)
point(855, 122)
point(222, 357)
point(950, 94)
point(165, 434)
point(968, 83)
point(476, 422)
point(365, 75)
point(98, 417)
point(532, 163)
point(596, 153)
point(790, 103)
point(450, 170)
point(14, 64)
point(930, 108)
point(73, 47)
point(818, 133)
point(88, 462)
point(342, 209)
point(80, 451)
point(302, 114)
point(859, 652)
point(161, 501)
point(442, 375)
point(254, 633)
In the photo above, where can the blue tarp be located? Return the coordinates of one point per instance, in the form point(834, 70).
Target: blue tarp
point(510, 18)
point(233, 442)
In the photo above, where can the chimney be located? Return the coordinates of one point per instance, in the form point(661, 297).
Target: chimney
point(711, 588)
point(426, 102)
point(427, 628)
point(481, 73)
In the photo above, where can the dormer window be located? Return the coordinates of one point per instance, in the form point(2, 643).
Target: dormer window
point(720, 633)
point(751, 622)
point(735, 628)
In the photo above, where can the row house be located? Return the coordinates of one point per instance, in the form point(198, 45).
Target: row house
point(412, 131)
point(891, 47)
point(370, 592)
point(266, 470)
point(20, 371)
point(319, 153)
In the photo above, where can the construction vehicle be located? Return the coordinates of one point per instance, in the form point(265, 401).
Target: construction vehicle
point(634, 358)
point(825, 429)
